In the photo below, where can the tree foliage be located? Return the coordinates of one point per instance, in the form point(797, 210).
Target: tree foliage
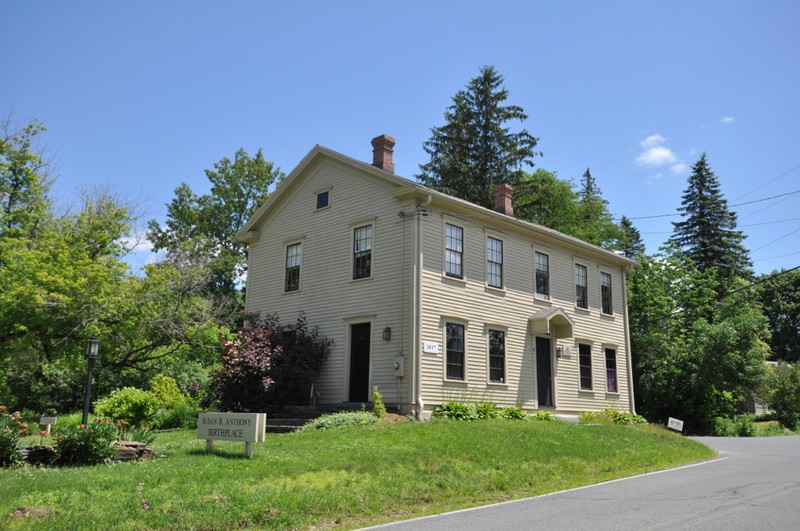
point(781, 393)
point(475, 149)
point(630, 240)
point(708, 233)
point(269, 365)
point(779, 294)
point(687, 366)
point(201, 229)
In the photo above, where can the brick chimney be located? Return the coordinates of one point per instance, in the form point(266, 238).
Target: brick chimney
point(382, 150)
point(502, 199)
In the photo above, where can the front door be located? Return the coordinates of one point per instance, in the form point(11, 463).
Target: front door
point(359, 362)
point(544, 373)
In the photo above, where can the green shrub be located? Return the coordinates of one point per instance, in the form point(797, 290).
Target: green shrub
point(181, 416)
point(135, 407)
point(378, 407)
point(514, 413)
point(782, 393)
point(738, 426)
point(455, 411)
point(85, 445)
point(611, 416)
point(11, 429)
point(486, 410)
point(339, 420)
point(166, 390)
point(543, 416)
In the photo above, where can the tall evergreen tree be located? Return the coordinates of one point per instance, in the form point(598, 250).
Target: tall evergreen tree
point(475, 149)
point(630, 240)
point(708, 233)
point(594, 224)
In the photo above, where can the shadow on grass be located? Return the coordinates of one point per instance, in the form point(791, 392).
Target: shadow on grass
point(224, 453)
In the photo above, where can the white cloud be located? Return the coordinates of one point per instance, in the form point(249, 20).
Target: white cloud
point(655, 153)
point(652, 141)
point(727, 120)
point(679, 168)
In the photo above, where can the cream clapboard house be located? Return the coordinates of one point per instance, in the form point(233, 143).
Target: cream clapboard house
point(432, 298)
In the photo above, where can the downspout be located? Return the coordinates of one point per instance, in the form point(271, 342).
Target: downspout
point(417, 307)
point(628, 339)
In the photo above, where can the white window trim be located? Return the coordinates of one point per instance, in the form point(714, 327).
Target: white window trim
point(536, 295)
point(353, 227)
point(316, 198)
point(463, 277)
point(610, 273)
point(502, 285)
point(462, 322)
point(585, 264)
point(503, 329)
point(578, 343)
point(605, 368)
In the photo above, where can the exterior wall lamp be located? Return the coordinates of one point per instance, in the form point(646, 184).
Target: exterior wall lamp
point(387, 333)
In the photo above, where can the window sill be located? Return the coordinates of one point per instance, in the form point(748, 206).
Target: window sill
point(607, 315)
point(292, 292)
point(362, 279)
point(503, 385)
point(543, 299)
point(585, 311)
point(587, 391)
point(612, 393)
point(494, 289)
point(451, 381)
point(454, 280)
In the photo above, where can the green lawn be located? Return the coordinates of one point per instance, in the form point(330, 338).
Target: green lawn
point(338, 479)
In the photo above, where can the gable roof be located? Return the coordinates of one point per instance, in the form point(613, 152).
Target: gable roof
point(407, 189)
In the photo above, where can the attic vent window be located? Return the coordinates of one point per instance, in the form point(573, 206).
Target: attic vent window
point(322, 199)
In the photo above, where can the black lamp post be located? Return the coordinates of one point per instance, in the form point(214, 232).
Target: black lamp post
point(92, 348)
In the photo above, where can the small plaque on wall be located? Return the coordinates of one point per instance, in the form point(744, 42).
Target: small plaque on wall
point(430, 347)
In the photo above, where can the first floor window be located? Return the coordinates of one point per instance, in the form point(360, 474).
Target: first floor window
point(605, 293)
point(542, 275)
point(455, 351)
point(494, 262)
point(581, 291)
point(362, 252)
point(497, 356)
point(453, 250)
point(293, 260)
point(611, 370)
point(585, 360)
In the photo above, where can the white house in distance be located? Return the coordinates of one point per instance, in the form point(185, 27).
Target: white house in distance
point(432, 298)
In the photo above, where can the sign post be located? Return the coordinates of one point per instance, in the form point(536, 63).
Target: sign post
point(238, 427)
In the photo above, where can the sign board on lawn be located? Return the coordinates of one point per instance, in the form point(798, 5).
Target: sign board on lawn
point(238, 427)
point(675, 424)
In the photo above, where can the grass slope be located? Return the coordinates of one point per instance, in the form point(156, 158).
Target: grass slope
point(340, 479)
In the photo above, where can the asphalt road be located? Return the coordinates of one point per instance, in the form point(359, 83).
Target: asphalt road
point(753, 484)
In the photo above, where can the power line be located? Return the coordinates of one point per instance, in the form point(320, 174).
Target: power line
point(768, 182)
point(739, 226)
point(767, 279)
point(776, 257)
point(776, 240)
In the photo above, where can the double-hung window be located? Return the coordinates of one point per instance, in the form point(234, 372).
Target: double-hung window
point(294, 255)
point(581, 286)
point(453, 251)
point(542, 275)
point(611, 370)
point(497, 356)
point(605, 293)
point(585, 361)
point(455, 351)
point(362, 252)
point(494, 262)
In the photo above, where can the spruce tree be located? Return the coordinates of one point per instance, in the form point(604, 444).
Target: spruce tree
point(630, 240)
point(708, 233)
point(594, 223)
point(475, 149)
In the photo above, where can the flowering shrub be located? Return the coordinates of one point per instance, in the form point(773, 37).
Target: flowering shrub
point(11, 429)
point(269, 365)
point(86, 444)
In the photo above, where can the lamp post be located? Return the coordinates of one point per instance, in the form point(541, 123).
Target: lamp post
point(92, 348)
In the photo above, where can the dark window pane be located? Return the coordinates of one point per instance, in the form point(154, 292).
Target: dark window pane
point(497, 356)
point(455, 351)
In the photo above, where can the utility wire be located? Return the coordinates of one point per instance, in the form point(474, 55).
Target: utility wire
point(768, 182)
point(763, 280)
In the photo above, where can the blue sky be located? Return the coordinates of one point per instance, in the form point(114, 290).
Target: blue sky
point(142, 96)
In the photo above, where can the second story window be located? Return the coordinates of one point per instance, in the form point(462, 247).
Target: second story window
point(581, 287)
point(494, 262)
point(323, 199)
point(542, 275)
point(294, 254)
point(362, 252)
point(453, 251)
point(605, 293)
